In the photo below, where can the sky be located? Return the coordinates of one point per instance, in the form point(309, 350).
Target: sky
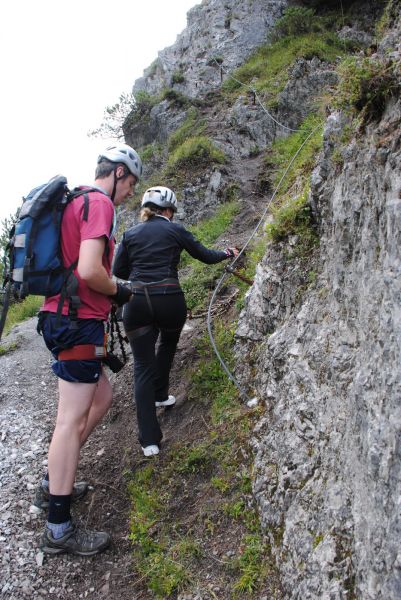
point(61, 64)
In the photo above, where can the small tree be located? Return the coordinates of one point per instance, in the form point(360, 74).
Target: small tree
point(5, 227)
point(295, 20)
point(114, 117)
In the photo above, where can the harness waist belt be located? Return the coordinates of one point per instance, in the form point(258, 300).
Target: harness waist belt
point(138, 285)
point(83, 352)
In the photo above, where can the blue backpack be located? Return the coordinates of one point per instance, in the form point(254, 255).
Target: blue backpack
point(33, 254)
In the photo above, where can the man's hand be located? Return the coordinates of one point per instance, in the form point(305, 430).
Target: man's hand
point(122, 295)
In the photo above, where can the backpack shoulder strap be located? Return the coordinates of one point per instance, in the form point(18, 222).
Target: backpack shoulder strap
point(76, 192)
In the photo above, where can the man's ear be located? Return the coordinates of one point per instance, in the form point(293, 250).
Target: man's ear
point(120, 172)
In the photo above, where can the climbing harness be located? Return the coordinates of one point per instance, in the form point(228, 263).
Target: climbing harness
point(83, 352)
point(105, 352)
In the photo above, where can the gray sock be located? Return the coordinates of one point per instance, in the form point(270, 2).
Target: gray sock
point(58, 529)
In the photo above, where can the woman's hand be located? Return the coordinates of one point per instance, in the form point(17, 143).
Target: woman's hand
point(232, 252)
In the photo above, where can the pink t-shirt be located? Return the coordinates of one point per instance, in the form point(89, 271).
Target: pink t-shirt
point(74, 229)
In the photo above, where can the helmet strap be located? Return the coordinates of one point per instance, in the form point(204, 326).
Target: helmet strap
point(113, 193)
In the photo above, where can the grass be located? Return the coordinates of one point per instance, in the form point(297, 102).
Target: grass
point(279, 156)
point(6, 348)
point(268, 68)
point(250, 565)
point(194, 153)
point(292, 218)
point(191, 127)
point(200, 279)
point(21, 311)
point(173, 529)
point(290, 210)
point(365, 87)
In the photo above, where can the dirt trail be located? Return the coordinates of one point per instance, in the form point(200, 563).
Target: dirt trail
point(28, 398)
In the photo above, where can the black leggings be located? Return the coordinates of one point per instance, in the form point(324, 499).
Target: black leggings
point(143, 325)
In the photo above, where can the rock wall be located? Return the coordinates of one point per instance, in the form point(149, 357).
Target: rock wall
point(320, 341)
point(328, 449)
point(228, 31)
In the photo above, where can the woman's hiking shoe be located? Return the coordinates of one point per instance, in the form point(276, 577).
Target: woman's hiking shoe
point(151, 450)
point(42, 494)
point(169, 402)
point(75, 541)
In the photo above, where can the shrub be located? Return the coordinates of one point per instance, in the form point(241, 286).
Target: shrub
point(296, 20)
point(175, 97)
point(177, 77)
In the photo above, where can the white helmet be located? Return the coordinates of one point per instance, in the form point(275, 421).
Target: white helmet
point(122, 153)
point(161, 196)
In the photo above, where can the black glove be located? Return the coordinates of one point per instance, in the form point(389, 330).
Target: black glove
point(122, 295)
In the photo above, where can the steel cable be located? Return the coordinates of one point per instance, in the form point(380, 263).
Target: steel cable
point(223, 277)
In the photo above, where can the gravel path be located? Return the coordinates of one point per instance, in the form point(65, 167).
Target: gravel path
point(28, 403)
point(27, 410)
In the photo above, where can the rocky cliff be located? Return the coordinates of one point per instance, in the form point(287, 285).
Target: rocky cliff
point(328, 448)
point(217, 33)
point(319, 343)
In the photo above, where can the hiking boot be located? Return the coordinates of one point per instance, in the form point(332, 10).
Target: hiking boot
point(151, 450)
point(42, 494)
point(169, 402)
point(75, 541)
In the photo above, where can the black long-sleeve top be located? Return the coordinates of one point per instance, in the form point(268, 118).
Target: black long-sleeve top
point(150, 251)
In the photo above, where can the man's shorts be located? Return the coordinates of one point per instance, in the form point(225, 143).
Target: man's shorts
point(62, 336)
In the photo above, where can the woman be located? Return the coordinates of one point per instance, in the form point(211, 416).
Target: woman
point(148, 257)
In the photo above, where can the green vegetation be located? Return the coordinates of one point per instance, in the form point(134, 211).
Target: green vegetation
point(254, 255)
point(293, 217)
point(251, 565)
point(141, 105)
point(194, 153)
point(6, 348)
point(267, 69)
point(365, 87)
point(177, 77)
point(317, 540)
point(191, 127)
point(208, 230)
point(201, 278)
point(151, 151)
point(291, 211)
point(20, 311)
point(282, 151)
point(5, 225)
point(210, 383)
point(296, 20)
point(171, 548)
point(390, 13)
point(200, 283)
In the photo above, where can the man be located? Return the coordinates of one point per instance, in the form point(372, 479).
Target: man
point(85, 393)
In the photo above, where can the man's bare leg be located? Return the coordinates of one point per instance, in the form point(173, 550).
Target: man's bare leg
point(75, 400)
point(100, 405)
